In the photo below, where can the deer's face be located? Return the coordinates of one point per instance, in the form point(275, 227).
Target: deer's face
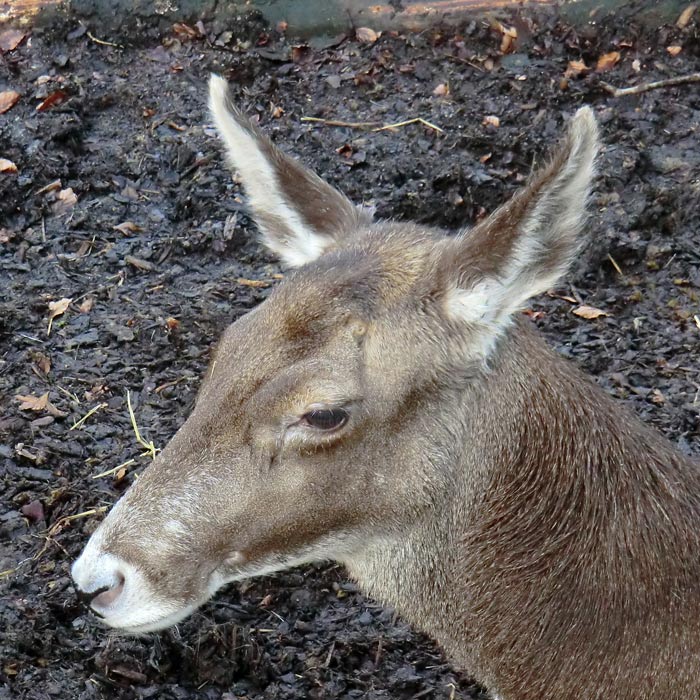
point(326, 413)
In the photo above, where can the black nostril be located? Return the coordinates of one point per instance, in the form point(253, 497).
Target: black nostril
point(86, 598)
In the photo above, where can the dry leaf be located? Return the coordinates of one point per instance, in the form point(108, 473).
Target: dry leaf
point(65, 200)
point(32, 403)
point(685, 17)
point(491, 120)
point(608, 61)
point(10, 39)
point(184, 31)
point(42, 363)
point(7, 166)
point(55, 411)
point(509, 35)
point(55, 185)
point(366, 35)
point(172, 323)
point(674, 50)
point(8, 99)
point(127, 227)
point(33, 511)
point(575, 68)
point(442, 90)
point(589, 312)
point(55, 98)
point(57, 308)
point(86, 306)
point(657, 397)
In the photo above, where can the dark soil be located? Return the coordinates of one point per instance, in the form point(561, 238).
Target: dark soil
point(129, 136)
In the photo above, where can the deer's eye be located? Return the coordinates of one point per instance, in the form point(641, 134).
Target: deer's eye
point(326, 418)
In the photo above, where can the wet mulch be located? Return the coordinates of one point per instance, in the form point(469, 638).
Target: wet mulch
point(125, 250)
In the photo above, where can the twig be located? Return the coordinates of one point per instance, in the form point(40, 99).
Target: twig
point(78, 423)
point(114, 470)
point(615, 265)
point(372, 125)
point(335, 122)
point(645, 87)
point(101, 42)
point(151, 449)
point(415, 120)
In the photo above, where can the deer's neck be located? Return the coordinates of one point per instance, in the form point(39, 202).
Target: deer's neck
point(560, 499)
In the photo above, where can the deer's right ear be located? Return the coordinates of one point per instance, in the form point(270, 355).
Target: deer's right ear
point(299, 215)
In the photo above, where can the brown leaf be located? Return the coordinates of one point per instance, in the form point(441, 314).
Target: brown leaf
point(171, 323)
point(33, 511)
point(42, 362)
point(28, 402)
point(674, 50)
point(10, 39)
point(657, 397)
point(607, 61)
point(65, 200)
point(685, 17)
point(589, 312)
point(55, 411)
point(300, 54)
point(491, 120)
point(57, 308)
point(7, 166)
point(55, 185)
point(139, 263)
point(184, 31)
point(127, 227)
point(8, 99)
point(55, 98)
point(366, 35)
point(575, 68)
point(87, 304)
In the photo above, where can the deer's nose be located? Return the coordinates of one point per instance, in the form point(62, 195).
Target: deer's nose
point(99, 581)
point(104, 596)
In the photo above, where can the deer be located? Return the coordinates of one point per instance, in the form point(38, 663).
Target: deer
point(390, 408)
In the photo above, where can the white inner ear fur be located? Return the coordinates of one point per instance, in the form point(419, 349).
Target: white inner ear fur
point(558, 215)
point(261, 184)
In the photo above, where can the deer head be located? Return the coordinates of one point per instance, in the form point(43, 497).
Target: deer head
point(330, 416)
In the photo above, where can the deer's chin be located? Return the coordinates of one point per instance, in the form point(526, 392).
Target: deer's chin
point(148, 619)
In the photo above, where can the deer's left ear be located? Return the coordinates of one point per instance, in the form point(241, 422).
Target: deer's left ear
point(299, 215)
point(524, 247)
